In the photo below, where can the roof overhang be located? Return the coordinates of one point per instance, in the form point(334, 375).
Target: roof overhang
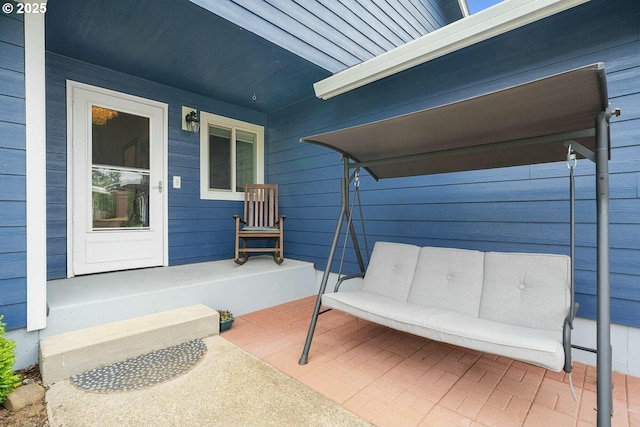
point(525, 124)
point(498, 19)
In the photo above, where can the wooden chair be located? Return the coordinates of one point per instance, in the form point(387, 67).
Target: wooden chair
point(260, 222)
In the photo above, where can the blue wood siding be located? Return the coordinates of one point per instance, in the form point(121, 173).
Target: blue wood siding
point(514, 209)
point(13, 282)
point(337, 34)
point(199, 230)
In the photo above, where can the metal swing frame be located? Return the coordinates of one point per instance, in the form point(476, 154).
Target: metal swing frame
point(345, 215)
point(573, 96)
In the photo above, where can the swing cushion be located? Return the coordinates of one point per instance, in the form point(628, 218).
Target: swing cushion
point(529, 290)
point(391, 270)
point(450, 279)
point(540, 347)
point(467, 298)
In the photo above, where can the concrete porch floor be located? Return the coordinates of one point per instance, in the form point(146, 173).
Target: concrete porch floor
point(391, 378)
point(91, 300)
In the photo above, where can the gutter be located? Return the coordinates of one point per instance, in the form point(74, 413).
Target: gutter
point(499, 19)
point(464, 8)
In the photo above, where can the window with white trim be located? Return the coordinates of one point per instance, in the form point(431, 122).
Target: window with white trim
point(231, 155)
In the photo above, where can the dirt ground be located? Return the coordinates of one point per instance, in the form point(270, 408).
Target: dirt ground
point(31, 416)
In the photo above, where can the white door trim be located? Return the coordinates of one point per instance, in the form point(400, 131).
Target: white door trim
point(71, 85)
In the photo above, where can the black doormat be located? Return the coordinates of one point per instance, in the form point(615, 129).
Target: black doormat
point(142, 371)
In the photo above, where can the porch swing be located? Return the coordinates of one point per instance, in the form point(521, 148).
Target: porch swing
point(565, 115)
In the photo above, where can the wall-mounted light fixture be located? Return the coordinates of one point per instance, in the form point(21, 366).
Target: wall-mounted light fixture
point(190, 120)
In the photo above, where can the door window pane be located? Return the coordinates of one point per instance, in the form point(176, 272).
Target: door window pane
point(120, 198)
point(119, 139)
point(119, 170)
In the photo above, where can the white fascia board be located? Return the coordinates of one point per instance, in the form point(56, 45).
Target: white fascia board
point(501, 18)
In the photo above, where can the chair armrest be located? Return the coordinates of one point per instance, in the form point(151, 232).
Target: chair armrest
point(343, 278)
point(238, 219)
point(566, 336)
point(566, 343)
point(280, 221)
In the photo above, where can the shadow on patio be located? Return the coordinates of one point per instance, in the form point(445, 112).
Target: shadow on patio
point(391, 378)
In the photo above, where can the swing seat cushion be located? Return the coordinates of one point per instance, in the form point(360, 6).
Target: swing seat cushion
point(465, 298)
point(536, 346)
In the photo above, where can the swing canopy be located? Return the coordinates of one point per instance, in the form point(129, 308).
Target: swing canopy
point(524, 124)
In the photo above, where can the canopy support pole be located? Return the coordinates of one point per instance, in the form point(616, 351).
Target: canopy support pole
point(572, 162)
point(604, 364)
point(344, 214)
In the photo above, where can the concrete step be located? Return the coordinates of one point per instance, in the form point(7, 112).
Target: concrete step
point(71, 353)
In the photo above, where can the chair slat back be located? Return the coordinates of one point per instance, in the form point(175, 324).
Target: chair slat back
point(261, 205)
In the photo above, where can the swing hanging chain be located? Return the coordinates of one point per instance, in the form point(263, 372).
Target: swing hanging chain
point(356, 199)
point(572, 162)
point(356, 180)
point(364, 231)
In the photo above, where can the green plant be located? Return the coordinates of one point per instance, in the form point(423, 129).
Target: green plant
point(8, 379)
point(225, 315)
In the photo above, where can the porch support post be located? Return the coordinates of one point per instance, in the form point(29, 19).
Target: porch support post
point(604, 364)
point(36, 162)
point(325, 277)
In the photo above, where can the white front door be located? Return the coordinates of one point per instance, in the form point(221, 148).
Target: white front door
point(117, 174)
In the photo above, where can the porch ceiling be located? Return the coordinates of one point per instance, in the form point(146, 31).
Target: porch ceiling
point(182, 45)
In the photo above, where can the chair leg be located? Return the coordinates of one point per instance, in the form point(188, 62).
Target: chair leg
point(237, 251)
point(241, 255)
point(277, 252)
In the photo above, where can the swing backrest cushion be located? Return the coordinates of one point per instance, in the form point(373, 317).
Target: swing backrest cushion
point(391, 270)
point(520, 289)
point(529, 290)
point(448, 279)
